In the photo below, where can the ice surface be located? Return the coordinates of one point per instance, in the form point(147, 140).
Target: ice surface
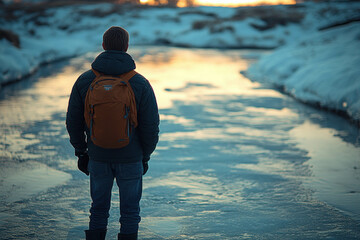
point(234, 159)
point(29, 179)
point(336, 166)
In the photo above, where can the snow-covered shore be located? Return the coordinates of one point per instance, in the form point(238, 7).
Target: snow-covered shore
point(321, 69)
point(61, 32)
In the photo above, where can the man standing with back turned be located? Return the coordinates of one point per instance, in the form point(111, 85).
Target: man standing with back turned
point(127, 163)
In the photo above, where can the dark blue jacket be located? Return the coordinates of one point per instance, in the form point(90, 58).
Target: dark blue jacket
point(145, 136)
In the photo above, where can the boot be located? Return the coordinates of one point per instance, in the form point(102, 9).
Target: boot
point(95, 234)
point(133, 236)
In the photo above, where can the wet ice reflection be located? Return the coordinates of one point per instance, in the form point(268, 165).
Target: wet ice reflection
point(228, 164)
point(27, 179)
point(47, 96)
point(196, 188)
point(191, 75)
point(334, 166)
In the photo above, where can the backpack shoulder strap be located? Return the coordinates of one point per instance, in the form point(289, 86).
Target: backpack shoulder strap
point(127, 76)
point(97, 74)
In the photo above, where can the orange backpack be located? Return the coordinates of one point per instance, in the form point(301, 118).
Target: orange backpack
point(110, 110)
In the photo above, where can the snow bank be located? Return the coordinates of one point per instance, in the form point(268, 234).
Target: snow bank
point(54, 33)
point(322, 69)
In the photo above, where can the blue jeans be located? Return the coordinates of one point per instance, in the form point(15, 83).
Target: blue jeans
point(129, 180)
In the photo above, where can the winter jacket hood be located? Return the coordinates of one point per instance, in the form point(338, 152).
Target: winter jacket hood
point(112, 62)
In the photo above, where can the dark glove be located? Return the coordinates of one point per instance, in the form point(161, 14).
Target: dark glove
point(83, 161)
point(145, 164)
point(145, 167)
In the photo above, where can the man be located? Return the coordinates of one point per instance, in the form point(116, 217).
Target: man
point(127, 164)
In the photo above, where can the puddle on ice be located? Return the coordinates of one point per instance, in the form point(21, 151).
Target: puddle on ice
point(163, 226)
point(28, 179)
point(335, 166)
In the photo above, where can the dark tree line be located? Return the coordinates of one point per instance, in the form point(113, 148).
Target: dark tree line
point(172, 3)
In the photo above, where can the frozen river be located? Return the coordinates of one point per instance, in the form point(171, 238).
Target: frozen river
point(236, 160)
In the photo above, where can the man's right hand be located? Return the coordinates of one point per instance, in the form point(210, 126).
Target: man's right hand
point(145, 164)
point(145, 167)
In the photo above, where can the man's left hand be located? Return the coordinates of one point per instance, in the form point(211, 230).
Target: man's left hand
point(83, 161)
